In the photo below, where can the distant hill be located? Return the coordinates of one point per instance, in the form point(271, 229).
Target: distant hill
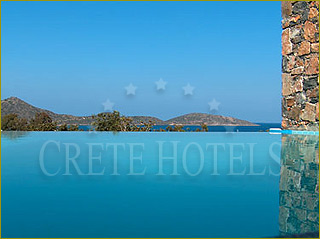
point(25, 110)
point(139, 119)
point(208, 119)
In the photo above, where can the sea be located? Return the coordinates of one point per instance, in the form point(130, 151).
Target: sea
point(263, 127)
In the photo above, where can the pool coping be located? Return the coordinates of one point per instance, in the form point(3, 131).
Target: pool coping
point(299, 132)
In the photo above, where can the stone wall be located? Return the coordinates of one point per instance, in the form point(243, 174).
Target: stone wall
point(300, 65)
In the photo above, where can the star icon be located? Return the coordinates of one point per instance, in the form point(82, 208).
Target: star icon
point(161, 84)
point(188, 89)
point(108, 105)
point(214, 105)
point(131, 89)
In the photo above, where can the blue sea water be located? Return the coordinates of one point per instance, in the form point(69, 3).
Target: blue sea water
point(262, 127)
point(214, 203)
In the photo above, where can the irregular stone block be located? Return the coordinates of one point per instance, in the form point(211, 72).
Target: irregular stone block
point(309, 112)
point(300, 98)
point(297, 71)
point(315, 47)
point(290, 102)
point(314, 93)
point(286, 9)
point(310, 83)
point(286, 43)
point(294, 113)
point(298, 85)
point(296, 34)
point(313, 13)
point(304, 48)
point(312, 65)
point(310, 31)
point(299, 7)
point(286, 84)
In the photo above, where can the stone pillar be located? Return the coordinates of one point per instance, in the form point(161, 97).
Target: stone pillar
point(300, 65)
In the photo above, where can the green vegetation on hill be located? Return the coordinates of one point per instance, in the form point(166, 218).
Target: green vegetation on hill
point(41, 122)
point(116, 122)
point(102, 122)
point(12, 122)
point(138, 119)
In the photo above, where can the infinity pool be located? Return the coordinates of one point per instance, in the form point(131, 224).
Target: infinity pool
point(82, 184)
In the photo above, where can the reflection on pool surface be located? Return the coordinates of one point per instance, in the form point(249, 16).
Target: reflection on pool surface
point(222, 185)
point(299, 185)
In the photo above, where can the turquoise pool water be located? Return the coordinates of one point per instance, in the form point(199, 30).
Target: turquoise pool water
point(68, 184)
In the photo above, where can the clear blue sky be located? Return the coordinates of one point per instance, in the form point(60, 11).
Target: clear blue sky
point(70, 57)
